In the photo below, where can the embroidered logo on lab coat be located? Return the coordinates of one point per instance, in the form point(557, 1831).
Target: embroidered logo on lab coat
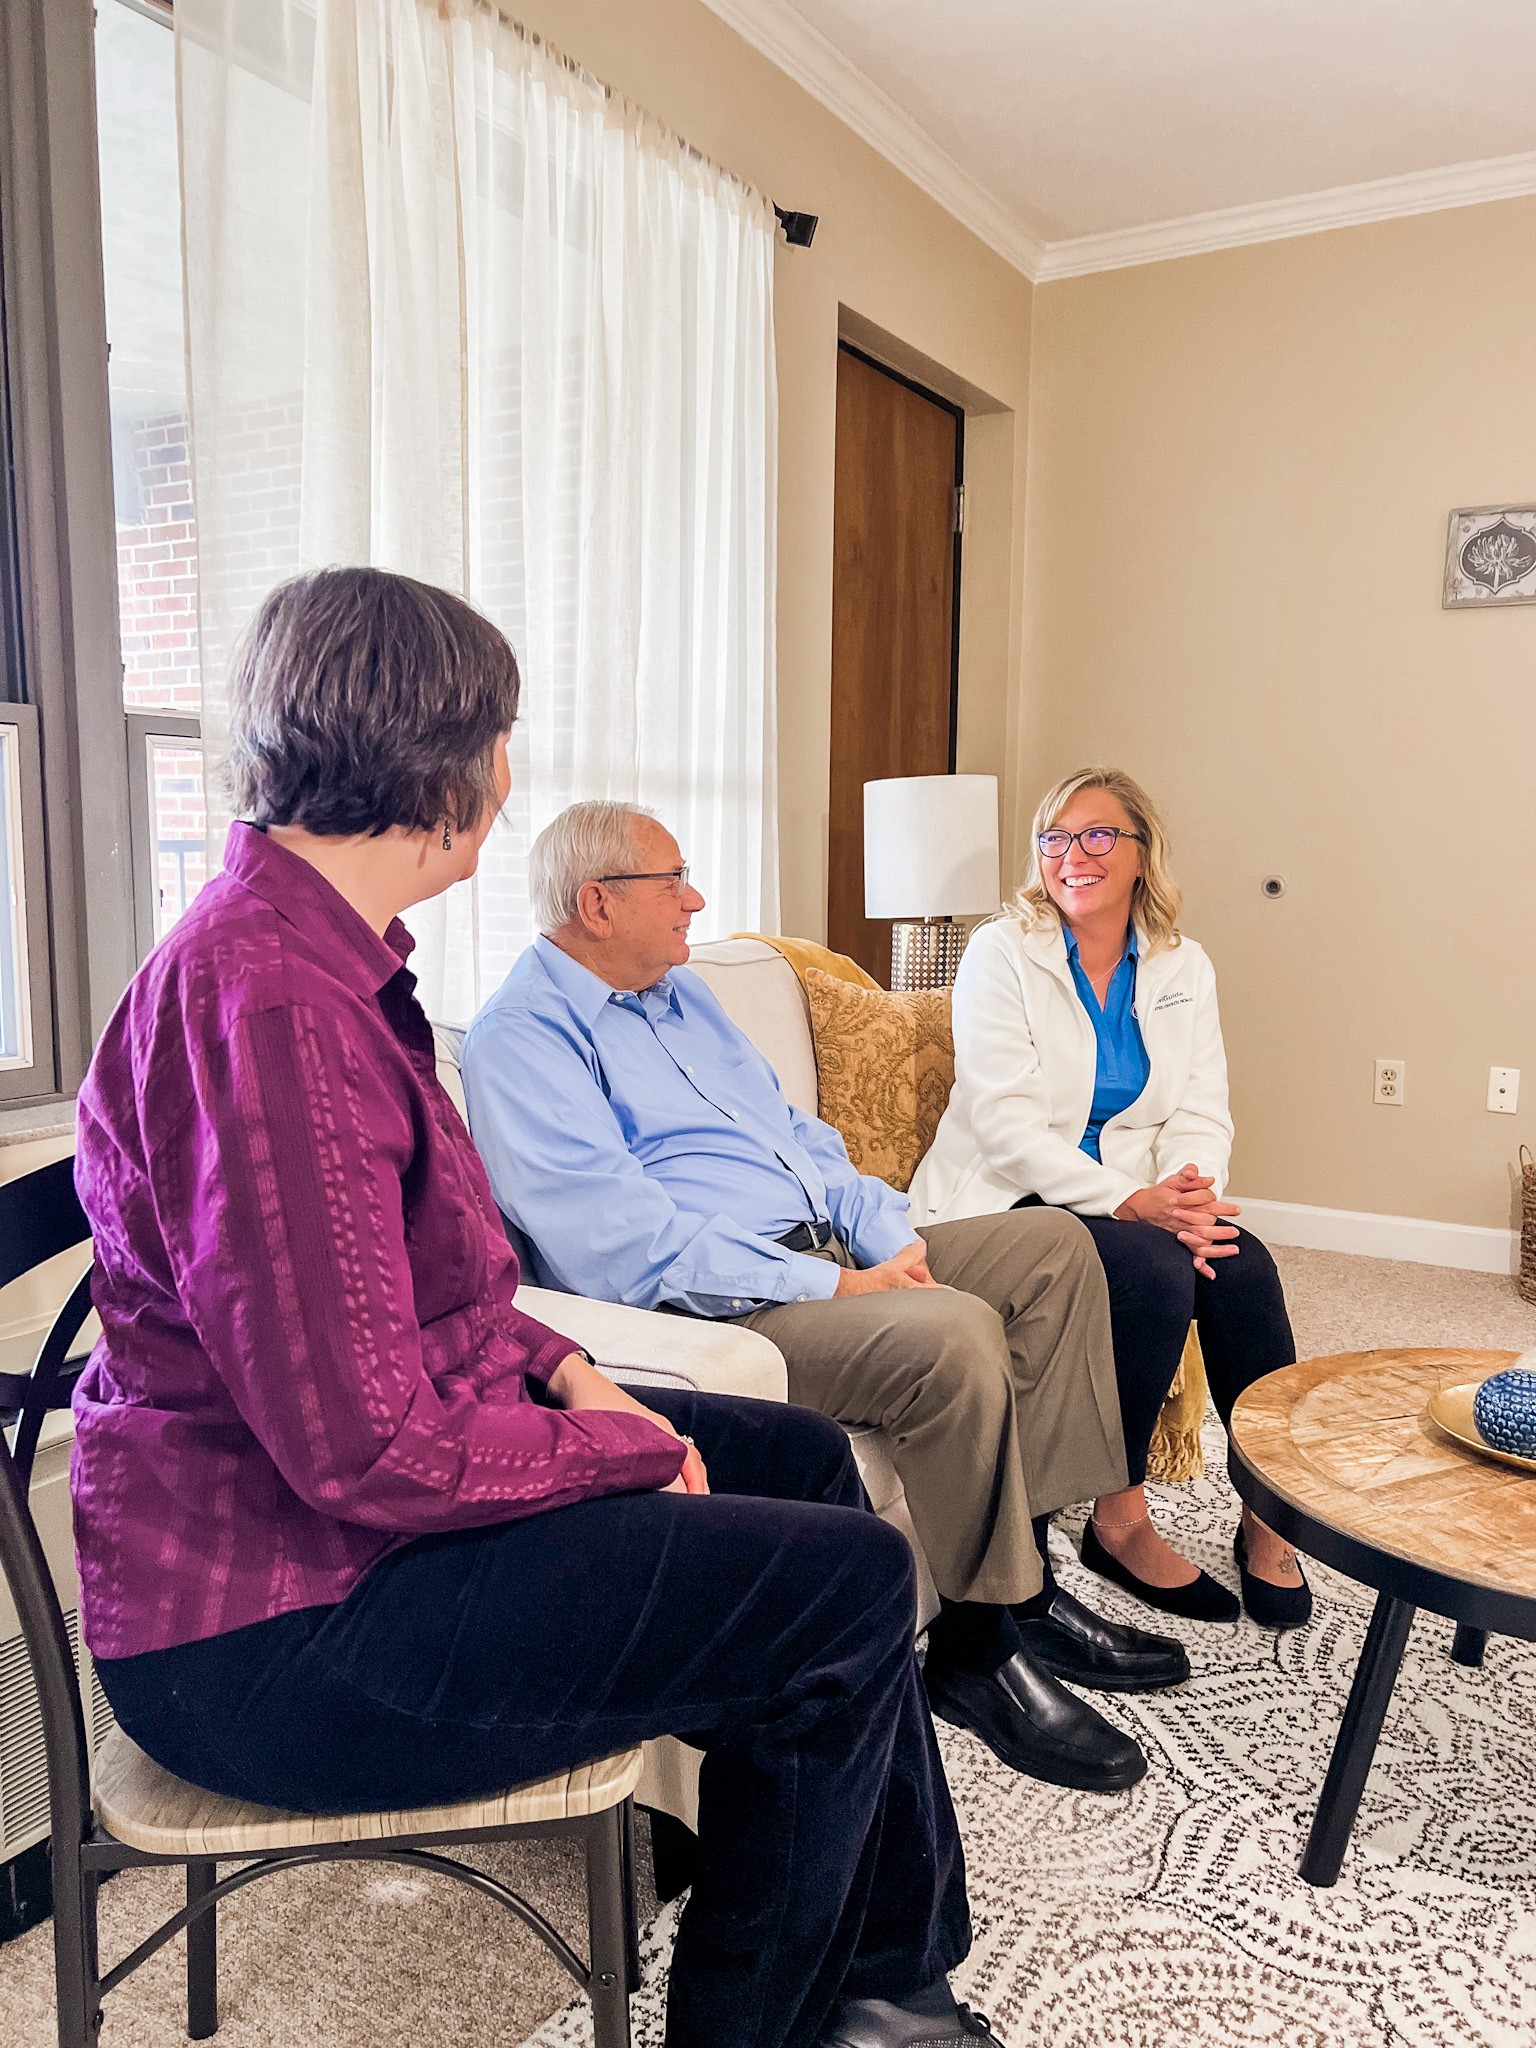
point(1171, 999)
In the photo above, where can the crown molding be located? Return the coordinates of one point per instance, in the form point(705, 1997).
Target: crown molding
point(803, 53)
point(787, 39)
point(1276, 220)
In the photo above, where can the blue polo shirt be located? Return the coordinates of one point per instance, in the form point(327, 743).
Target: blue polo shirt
point(1122, 1065)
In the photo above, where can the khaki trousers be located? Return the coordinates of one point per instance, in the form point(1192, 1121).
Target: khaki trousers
point(997, 1391)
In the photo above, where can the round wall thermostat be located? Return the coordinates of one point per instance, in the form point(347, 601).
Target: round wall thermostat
point(1273, 886)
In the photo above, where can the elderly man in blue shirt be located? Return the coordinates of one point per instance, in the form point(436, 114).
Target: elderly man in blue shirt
point(646, 1152)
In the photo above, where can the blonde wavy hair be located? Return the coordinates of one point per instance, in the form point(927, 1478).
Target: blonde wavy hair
point(1156, 898)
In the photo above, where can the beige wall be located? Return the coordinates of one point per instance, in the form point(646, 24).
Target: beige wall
point(1240, 470)
point(894, 259)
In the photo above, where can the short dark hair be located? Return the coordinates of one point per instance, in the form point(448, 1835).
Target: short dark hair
point(361, 700)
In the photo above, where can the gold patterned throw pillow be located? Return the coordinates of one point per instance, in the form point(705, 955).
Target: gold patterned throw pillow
point(884, 1067)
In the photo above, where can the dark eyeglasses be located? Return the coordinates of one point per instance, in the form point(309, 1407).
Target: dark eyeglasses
point(678, 877)
point(1095, 840)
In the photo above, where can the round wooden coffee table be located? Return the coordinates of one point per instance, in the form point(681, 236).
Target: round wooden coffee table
point(1338, 1456)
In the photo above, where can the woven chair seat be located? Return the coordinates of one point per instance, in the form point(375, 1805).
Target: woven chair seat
point(149, 1809)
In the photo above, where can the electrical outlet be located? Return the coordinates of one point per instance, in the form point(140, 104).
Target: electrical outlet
point(1504, 1089)
point(1391, 1081)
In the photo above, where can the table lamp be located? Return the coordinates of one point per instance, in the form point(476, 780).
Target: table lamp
point(930, 856)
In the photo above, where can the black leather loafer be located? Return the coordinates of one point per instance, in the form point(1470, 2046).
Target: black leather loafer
point(1074, 1643)
point(1271, 1606)
point(1203, 1599)
point(930, 2020)
point(1029, 1719)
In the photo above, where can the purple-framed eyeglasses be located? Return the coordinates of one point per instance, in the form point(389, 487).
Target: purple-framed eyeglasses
point(1095, 840)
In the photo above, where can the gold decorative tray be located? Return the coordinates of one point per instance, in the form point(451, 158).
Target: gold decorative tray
point(1451, 1410)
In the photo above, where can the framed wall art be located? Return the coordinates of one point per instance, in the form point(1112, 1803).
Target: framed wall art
point(1490, 556)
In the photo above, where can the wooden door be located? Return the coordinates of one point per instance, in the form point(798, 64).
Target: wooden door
point(895, 597)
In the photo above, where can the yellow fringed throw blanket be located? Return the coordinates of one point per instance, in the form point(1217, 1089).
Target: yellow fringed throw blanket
point(1175, 1452)
point(803, 953)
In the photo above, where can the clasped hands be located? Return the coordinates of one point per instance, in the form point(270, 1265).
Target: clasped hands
point(576, 1384)
point(1186, 1204)
point(909, 1268)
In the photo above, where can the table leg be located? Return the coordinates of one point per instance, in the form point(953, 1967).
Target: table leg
point(1469, 1644)
point(1350, 1764)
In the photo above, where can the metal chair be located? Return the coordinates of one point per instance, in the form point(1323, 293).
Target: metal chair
point(141, 1814)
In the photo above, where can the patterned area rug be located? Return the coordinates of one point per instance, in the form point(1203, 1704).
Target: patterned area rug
point(1174, 1914)
point(1168, 1916)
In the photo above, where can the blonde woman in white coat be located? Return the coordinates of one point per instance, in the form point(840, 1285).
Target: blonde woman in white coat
point(1090, 1075)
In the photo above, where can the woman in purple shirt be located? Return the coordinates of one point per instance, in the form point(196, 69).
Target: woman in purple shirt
point(353, 1530)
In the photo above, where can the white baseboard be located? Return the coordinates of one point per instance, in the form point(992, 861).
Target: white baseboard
point(1473, 1247)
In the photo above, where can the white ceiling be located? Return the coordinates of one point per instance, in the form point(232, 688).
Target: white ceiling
point(1051, 121)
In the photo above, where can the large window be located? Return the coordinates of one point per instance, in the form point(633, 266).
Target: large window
point(66, 905)
point(151, 469)
point(546, 381)
point(15, 1010)
point(26, 1057)
point(26, 1029)
point(522, 347)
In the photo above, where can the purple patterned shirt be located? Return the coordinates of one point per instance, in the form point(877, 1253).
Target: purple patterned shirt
point(310, 1349)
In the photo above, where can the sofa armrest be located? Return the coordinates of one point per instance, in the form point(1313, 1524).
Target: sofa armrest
point(717, 1358)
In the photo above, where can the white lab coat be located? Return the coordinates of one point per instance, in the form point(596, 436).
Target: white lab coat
point(1025, 1056)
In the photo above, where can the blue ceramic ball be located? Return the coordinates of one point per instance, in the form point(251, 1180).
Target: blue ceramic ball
point(1504, 1409)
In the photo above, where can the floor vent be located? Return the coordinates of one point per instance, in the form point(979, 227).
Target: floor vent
point(23, 1760)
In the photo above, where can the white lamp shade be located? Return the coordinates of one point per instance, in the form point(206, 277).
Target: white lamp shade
point(930, 846)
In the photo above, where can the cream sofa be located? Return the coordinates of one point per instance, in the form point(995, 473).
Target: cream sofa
point(761, 992)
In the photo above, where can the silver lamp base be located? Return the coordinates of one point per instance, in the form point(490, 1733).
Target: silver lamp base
point(926, 953)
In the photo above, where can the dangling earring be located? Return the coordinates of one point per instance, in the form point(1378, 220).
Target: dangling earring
point(447, 840)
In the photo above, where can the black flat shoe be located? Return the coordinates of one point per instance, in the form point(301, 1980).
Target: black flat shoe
point(1030, 1720)
point(1271, 1606)
point(1074, 1643)
point(930, 2020)
point(1203, 1599)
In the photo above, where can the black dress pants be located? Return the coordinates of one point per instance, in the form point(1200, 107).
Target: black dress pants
point(1155, 1294)
point(770, 1624)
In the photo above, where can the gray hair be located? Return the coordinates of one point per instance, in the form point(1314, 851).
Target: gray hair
point(585, 841)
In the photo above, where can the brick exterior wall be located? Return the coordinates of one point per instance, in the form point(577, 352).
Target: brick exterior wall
point(157, 575)
point(261, 495)
point(179, 820)
point(158, 598)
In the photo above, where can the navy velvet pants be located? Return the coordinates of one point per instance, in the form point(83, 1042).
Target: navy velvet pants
point(769, 1624)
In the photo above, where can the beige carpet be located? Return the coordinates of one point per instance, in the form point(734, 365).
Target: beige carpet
point(346, 1957)
point(1168, 1915)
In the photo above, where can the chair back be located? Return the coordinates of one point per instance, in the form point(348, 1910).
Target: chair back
point(40, 1216)
point(761, 994)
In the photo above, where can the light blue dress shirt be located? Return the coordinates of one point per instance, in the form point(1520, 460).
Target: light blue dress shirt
point(1122, 1066)
point(644, 1147)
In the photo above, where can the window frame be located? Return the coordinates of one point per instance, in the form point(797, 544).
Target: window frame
point(63, 637)
point(142, 727)
point(20, 1082)
point(38, 1073)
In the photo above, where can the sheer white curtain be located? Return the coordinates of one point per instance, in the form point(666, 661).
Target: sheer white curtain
point(454, 309)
